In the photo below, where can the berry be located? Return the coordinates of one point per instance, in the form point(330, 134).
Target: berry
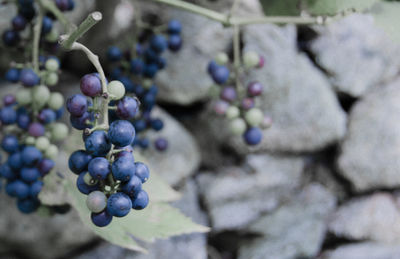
point(174, 42)
point(221, 58)
point(158, 43)
point(141, 201)
point(84, 187)
point(36, 129)
point(77, 105)
point(52, 65)
point(12, 75)
point(35, 188)
point(47, 116)
point(96, 201)
point(116, 90)
point(7, 172)
point(56, 101)
point(254, 117)
point(137, 66)
point(23, 121)
point(19, 22)
point(254, 89)
point(9, 99)
point(98, 143)
point(132, 187)
point(128, 84)
point(81, 122)
point(237, 126)
point(253, 136)
point(58, 131)
point(10, 38)
point(142, 171)
point(101, 219)
point(91, 85)
point(79, 161)
point(121, 133)
point(228, 94)
point(8, 115)
point(247, 103)
point(29, 78)
point(29, 174)
point(45, 166)
point(221, 107)
point(212, 66)
point(31, 156)
point(10, 144)
point(99, 168)
point(150, 70)
point(28, 205)
point(157, 124)
point(251, 59)
point(63, 5)
point(114, 53)
point(42, 143)
point(161, 144)
point(220, 74)
point(15, 161)
point(174, 27)
point(24, 97)
point(47, 24)
point(123, 168)
point(232, 112)
point(119, 204)
point(40, 95)
point(127, 108)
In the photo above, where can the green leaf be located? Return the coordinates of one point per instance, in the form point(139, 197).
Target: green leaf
point(158, 220)
point(281, 7)
point(332, 7)
point(387, 17)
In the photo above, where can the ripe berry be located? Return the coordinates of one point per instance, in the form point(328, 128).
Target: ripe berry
point(254, 89)
point(98, 143)
point(99, 168)
point(137, 66)
point(132, 187)
point(81, 122)
point(121, 133)
point(123, 168)
point(119, 204)
point(128, 84)
point(141, 201)
point(28, 205)
point(47, 24)
point(10, 38)
point(228, 94)
point(9, 99)
point(90, 85)
point(174, 42)
point(23, 121)
point(36, 129)
point(12, 75)
point(220, 74)
point(161, 144)
point(142, 171)
point(63, 5)
point(7, 172)
point(248, 103)
point(77, 105)
point(15, 161)
point(19, 22)
point(78, 161)
point(35, 188)
point(114, 53)
point(96, 201)
point(101, 219)
point(127, 108)
point(19, 189)
point(47, 116)
point(174, 27)
point(253, 136)
point(158, 43)
point(221, 107)
point(157, 124)
point(45, 166)
point(10, 144)
point(150, 70)
point(8, 115)
point(31, 156)
point(29, 174)
point(29, 78)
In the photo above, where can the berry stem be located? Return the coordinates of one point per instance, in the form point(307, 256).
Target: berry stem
point(36, 39)
point(236, 58)
point(52, 8)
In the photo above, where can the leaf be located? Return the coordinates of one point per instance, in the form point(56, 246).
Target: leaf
point(158, 220)
point(332, 7)
point(387, 17)
point(281, 7)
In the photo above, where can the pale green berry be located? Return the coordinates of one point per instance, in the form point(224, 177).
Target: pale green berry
point(88, 179)
point(96, 201)
point(221, 58)
point(251, 59)
point(59, 131)
point(30, 140)
point(51, 152)
point(24, 97)
point(52, 65)
point(237, 126)
point(41, 95)
point(42, 143)
point(232, 112)
point(56, 101)
point(215, 91)
point(254, 117)
point(52, 36)
point(51, 79)
point(147, 83)
point(116, 90)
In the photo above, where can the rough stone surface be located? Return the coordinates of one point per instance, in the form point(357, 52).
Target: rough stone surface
point(305, 112)
point(375, 218)
point(295, 230)
point(371, 149)
point(357, 54)
point(235, 197)
point(364, 250)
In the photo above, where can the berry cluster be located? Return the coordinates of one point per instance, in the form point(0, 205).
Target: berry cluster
point(235, 102)
point(26, 14)
point(29, 123)
point(106, 169)
point(136, 71)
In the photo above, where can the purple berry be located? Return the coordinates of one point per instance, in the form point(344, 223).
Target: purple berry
point(36, 129)
point(9, 99)
point(221, 107)
point(127, 108)
point(247, 103)
point(77, 105)
point(254, 89)
point(161, 144)
point(91, 85)
point(228, 94)
point(101, 219)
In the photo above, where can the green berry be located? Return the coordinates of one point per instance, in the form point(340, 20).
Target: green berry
point(116, 90)
point(232, 112)
point(88, 179)
point(51, 152)
point(24, 97)
point(52, 36)
point(30, 140)
point(96, 201)
point(237, 126)
point(251, 59)
point(52, 65)
point(51, 79)
point(59, 131)
point(41, 95)
point(56, 101)
point(42, 143)
point(221, 58)
point(254, 117)
point(147, 83)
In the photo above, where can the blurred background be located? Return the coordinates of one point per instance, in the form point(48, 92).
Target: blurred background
point(322, 184)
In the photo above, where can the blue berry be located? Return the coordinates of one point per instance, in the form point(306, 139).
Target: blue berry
point(12, 75)
point(36, 129)
point(29, 174)
point(253, 136)
point(19, 22)
point(59, 113)
point(174, 42)
point(101, 219)
point(127, 108)
point(132, 187)
point(121, 133)
point(142, 171)
point(8, 115)
point(144, 143)
point(23, 121)
point(47, 116)
point(137, 66)
point(35, 188)
point(141, 200)
point(123, 168)
point(161, 144)
point(83, 187)
point(212, 66)
point(15, 161)
point(31, 156)
point(79, 161)
point(77, 105)
point(139, 125)
point(220, 74)
point(10, 38)
point(116, 73)
point(151, 56)
point(81, 122)
point(91, 85)
point(128, 84)
point(114, 53)
point(19, 189)
point(63, 5)
point(28, 205)
point(9, 99)
point(71, 5)
point(161, 63)
point(45, 166)
point(47, 25)
point(158, 43)
point(174, 27)
point(150, 70)
point(119, 204)
point(99, 168)
point(7, 172)
point(29, 78)
point(10, 143)
point(98, 143)
point(157, 124)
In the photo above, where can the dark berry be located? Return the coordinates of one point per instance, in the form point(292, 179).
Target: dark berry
point(228, 94)
point(77, 105)
point(158, 43)
point(174, 42)
point(253, 136)
point(174, 27)
point(91, 85)
point(119, 204)
point(161, 144)
point(29, 78)
point(36, 129)
point(12, 75)
point(79, 161)
point(142, 171)
point(254, 89)
point(31, 156)
point(19, 23)
point(141, 200)
point(98, 143)
point(99, 168)
point(127, 108)
point(10, 38)
point(123, 168)
point(114, 53)
point(101, 219)
point(121, 133)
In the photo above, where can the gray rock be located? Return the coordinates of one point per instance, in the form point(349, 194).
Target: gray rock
point(295, 230)
point(357, 55)
point(375, 218)
point(364, 250)
point(324, 176)
point(39, 236)
point(235, 198)
point(370, 151)
point(305, 112)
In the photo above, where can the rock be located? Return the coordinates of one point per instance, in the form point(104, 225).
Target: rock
point(38, 236)
point(185, 79)
point(182, 157)
point(363, 250)
point(325, 176)
point(235, 198)
point(305, 112)
point(180, 247)
point(370, 151)
point(357, 55)
point(375, 218)
point(295, 230)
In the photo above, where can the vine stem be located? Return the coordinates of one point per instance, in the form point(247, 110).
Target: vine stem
point(231, 20)
point(36, 39)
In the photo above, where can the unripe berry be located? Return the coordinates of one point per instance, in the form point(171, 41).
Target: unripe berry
point(267, 122)
point(232, 112)
point(237, 126)
point(52, 65)
point(221, 58)
point(251, 59)
point(59, 131)
point(56, 101)
point(30, 140)
point(116, 90)
point(51, 79)
point(221, 107)
point(41, 95)
point(51, 152)
point(96, 201)
point(23, 97)
point(254, 117)
point(89, 180)
point(42, 143)
point(52, 36)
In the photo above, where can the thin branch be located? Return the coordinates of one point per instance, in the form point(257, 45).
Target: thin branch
point(36, 39)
